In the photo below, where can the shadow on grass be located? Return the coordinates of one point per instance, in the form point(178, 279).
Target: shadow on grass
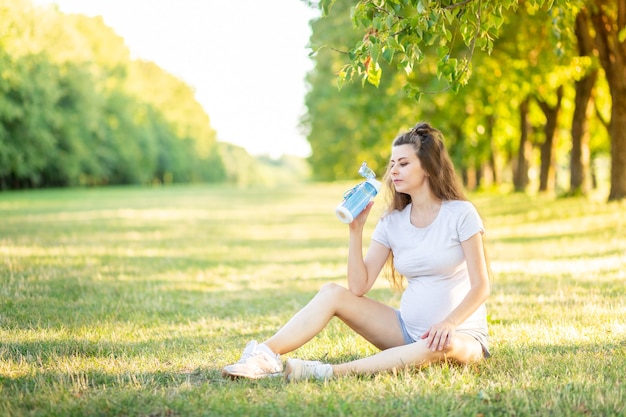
point(68, 305)
point(614, 349)
point(141, 305)
point(558, 288)
point(44, 352)
point(535, 379)
point(592, 233)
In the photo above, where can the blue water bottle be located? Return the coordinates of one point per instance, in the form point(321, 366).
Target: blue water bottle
point(355, 199)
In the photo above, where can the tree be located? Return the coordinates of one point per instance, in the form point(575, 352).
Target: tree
point(349, 125)
point(580, 157)
point(533, 74)
point(400, 31)
point(76, 118)
point(28, 96)
point(609, 22)
point(186, 120)
point(520, 170)
point(547, 174)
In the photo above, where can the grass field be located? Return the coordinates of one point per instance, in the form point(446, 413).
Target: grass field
point(128, 301)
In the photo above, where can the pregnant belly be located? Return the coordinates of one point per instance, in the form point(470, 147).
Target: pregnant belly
point(424, 304)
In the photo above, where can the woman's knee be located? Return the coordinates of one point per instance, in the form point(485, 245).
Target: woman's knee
point(332, 294)
point(332, 291)
point(330, 297)
point(464, 349)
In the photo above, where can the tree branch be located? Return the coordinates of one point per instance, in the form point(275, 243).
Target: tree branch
point(457, 5)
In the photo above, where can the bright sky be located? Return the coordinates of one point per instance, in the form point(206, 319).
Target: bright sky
point(246, 59)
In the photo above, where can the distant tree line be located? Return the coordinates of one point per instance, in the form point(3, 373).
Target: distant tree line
point(76, 110)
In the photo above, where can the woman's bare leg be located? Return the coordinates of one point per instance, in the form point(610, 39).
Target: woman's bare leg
point(375, 321)
point(463, 349)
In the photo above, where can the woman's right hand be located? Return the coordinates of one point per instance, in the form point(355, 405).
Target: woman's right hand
point(359, 221)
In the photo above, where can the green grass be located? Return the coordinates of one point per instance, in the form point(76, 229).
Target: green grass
point(128, 301)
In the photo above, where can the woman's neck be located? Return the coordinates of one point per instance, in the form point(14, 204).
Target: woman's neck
point(424, 209)
point(424, 200)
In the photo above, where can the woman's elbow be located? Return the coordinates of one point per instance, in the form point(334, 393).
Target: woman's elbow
point(359, 292)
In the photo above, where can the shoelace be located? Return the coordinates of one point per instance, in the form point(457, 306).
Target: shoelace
point(312, 368)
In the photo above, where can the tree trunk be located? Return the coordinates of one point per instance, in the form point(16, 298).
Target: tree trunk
point(580, 156)
point(583, 109)
point(608, 24)
point(495, 174)
point(470, 178)
point(547, 174)
point(520, 171)
point(618, 144)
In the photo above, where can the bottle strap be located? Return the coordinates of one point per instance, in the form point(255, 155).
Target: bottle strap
point(351, 191)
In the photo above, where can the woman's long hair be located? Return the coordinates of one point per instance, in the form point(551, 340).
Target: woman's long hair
point(427, 142)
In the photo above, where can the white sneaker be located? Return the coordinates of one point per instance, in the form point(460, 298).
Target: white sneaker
point(298, 370)
point(254, 364)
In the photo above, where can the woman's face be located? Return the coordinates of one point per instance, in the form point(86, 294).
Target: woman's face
point(406, 170)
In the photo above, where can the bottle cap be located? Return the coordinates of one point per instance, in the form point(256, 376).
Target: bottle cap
point(366, 172)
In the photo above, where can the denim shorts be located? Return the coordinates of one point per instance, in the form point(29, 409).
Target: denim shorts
point(481, 338)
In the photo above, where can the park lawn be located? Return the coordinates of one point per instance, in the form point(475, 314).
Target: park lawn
point(128, 301)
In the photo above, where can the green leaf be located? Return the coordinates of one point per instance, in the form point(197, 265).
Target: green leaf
point(325, 5)
point(498, 20)
point(408, 67)
point(345, 75)
point(388, 54)
point(394, 45)
point(449, 15)
point(443, 51)
point(316, 50)
point(375, 52)
point(412, 91)
point(418, 30)
point(390, 21)
point(378, 23)
point(374, 73)
point(429, 38)
point(422, 6)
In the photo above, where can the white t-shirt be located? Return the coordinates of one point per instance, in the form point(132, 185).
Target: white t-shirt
point(432, 260)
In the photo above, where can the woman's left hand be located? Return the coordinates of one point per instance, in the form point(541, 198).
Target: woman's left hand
point(438, 337)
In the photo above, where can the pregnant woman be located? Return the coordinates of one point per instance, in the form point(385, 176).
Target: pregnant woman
point(432, 236)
